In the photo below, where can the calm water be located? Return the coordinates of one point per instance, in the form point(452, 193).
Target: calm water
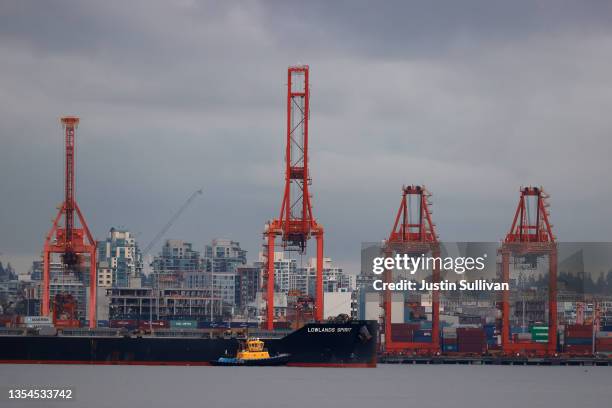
point(385, 386)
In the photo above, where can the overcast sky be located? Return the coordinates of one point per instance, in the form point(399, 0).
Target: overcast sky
point(471, 98)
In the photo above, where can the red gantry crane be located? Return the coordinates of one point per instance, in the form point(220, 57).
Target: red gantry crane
point(295, 224)
point(413, 234)
point(530, 238)
point(67, 239)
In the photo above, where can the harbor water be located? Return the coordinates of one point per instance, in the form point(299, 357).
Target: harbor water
point(385, 386)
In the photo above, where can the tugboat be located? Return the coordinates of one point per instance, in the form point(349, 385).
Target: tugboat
point(252, 353)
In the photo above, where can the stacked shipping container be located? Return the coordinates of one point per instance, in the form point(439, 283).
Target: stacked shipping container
point(449, 340)
point(578, 339)
point(471, 340)
point(603, 343)
point(404, 332)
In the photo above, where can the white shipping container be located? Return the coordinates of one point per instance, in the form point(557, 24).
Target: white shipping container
point(37, 321)
point(524, 336)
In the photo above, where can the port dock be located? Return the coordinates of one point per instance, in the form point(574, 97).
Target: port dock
point(497, 360)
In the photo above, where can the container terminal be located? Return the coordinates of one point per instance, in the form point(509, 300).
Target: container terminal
point(59, 336)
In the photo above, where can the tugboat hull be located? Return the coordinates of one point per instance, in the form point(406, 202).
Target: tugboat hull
point(279, 360)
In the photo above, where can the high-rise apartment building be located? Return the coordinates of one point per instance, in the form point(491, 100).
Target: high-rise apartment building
point(224, 255)
point(119, 260)
point(176, 261)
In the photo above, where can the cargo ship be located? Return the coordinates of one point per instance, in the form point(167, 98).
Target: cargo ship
point(347, 344)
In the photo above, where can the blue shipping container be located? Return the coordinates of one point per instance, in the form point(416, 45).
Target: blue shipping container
point(449, 347)
point(425, 324)
point(579, 341)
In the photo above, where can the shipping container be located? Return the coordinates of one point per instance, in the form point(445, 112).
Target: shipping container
point(130, 324)
point(403, 332)
point(470, 319)
point(37, 320)
point(67, 323)
point(522, 336)
point(602, 346)
point(448, 333)
point(471, 348)
point(578, 349)
point(153, 324)
point(449, 348)
point(575, 341)
point(212, 325)
point(183, 324)
point(426, 324)
point(578, 330)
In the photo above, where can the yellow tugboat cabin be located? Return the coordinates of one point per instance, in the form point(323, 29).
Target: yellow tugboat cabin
point(253, 350)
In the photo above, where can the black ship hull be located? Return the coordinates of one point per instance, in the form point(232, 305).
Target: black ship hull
point(351, 344)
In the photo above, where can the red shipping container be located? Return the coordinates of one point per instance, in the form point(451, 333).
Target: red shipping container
point(123, 324)
point(402, 338)
point(470, 332)
point(402, 332)
point(471, 348)
point(155, 324)
point(604, 344)
point(578, 349)
point(67, 323)
point(471, 340)
point(578, 330)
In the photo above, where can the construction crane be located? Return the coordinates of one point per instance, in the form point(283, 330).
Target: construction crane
point(530, 238)
point(171, 221)
point(413, 234)
point(295, 224)
point(68, 240)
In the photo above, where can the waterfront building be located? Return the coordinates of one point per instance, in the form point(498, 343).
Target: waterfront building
point(223, 255)
point(162, 304)
point(119, 260)
point(176, 260)
point(248, 283)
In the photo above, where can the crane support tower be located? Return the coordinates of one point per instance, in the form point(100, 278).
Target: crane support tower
point(68, 240)
point(413, 234)
point(530, 238)
point(295, 224)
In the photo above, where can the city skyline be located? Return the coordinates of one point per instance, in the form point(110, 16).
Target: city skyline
point(472, 106)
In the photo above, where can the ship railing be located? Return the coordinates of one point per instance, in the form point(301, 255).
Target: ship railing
point(179, 333)
point(86, 332)
point(269, 334)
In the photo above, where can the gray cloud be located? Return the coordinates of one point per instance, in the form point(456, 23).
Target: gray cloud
point(473, 99)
